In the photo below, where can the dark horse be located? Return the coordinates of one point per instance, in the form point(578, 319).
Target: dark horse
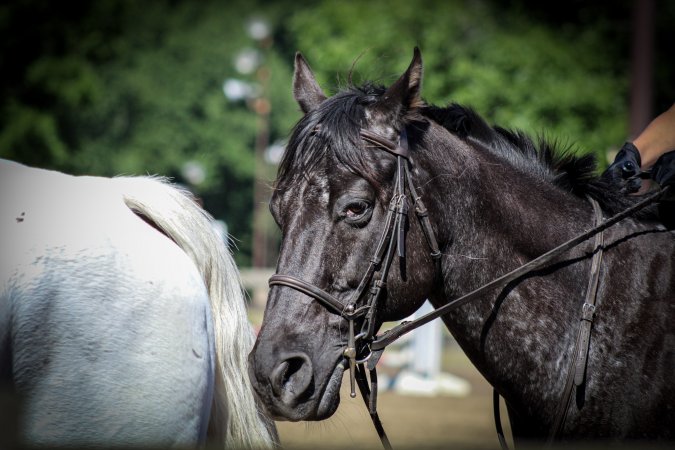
point(496, 200)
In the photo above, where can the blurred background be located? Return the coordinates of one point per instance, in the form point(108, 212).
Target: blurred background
point(201, 92)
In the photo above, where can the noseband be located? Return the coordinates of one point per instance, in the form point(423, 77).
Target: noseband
point(392, 239)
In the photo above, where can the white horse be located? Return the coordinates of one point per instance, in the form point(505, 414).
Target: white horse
point(122, 318)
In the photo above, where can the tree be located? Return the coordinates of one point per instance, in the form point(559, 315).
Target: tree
point(119, 86)
point(122, 87)
point(517, 72)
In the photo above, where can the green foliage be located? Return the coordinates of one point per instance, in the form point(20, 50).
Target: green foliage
point(515, 72)
point(121, 86)
point(129, 87)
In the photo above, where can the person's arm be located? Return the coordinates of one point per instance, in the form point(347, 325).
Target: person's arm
point(655, 146)
point(657, 139)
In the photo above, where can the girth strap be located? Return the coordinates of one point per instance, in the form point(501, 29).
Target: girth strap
point(588, 308)
point(580, 353)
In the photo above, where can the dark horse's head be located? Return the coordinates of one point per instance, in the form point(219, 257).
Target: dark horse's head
point(331, 201)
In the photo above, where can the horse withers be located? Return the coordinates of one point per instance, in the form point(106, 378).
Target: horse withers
point(494, 201)
point(122, 319)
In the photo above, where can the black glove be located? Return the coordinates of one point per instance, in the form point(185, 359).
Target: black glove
point(624, 169)
point(663, 171)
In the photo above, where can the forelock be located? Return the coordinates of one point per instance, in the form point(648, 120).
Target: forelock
point(330, 133)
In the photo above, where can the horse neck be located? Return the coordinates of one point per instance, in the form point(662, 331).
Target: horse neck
point(495, 210)
point(502, 218)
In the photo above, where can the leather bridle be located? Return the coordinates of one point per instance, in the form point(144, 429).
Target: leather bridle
point(391, 240)
point(365, 348)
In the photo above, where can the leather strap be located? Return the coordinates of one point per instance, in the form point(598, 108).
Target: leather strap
point(588, 309)
point(387, 145)
point(367, 399)
point(577, 370)
point(580, 352)
point(498, 420)
point(392, 335)
point(322, 296)
point(423, 217)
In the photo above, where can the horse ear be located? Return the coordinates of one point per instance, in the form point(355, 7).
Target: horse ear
point(306, 90)
point(404, 94)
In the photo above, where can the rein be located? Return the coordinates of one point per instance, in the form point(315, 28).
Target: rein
point(405, 327)
point(365, 348)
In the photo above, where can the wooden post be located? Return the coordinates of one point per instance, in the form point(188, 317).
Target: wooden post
point(642, 66)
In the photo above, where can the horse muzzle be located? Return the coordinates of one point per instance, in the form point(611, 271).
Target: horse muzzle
point(290, 388)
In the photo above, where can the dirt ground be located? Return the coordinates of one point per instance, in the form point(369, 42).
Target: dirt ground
point(410, 421)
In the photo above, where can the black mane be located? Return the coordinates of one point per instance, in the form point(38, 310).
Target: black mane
point(573, 173)
point(335, 124)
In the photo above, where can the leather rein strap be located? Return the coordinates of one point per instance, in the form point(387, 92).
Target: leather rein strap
point(393, 238)
point(392, 335)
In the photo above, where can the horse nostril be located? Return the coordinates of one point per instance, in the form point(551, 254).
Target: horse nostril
point(291, 380)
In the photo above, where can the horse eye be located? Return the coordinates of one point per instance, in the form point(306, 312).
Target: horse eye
point(355, 211)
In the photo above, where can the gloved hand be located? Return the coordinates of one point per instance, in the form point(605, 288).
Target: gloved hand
point(663, 171)
point(624, 169)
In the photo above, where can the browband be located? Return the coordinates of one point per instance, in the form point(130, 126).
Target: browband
point(387, 145)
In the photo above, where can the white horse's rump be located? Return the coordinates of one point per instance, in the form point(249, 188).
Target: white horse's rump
point(112, 333)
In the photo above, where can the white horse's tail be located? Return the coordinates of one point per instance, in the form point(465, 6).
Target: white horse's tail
point(235, 418)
